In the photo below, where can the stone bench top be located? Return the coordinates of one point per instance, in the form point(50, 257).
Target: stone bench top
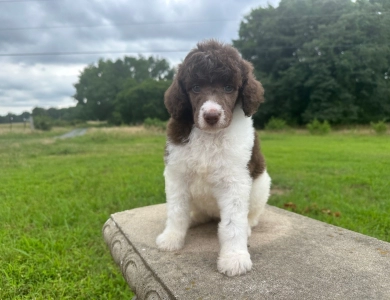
point(294, 257)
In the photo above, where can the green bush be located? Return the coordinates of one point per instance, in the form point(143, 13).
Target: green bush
point(275, 124)
point(155, 123)
point(43, 123)
point(379, 127)
point(115, 118)
point(316, 127)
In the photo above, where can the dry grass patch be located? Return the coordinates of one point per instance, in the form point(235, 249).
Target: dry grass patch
point(279, 191)
point(120, 130)
point(47, 141)
point(16, 128)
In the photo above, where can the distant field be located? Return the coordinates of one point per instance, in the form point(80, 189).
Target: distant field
point(20, 128)
point(16, 128)
point(56, 194)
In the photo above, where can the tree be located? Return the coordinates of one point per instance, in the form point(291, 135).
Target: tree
point(138, 102)
point(100, 84)
point(74, 113)
point(320, 59)
point(39, 111)
point(59, 117)
point(15, 118)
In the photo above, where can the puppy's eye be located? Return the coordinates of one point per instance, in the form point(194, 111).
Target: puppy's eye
point(228, 89)
point(196, 89)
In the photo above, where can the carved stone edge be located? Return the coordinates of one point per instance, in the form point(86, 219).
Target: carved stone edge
point(138, 276)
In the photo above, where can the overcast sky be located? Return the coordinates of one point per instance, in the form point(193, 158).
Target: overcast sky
point(149, 27)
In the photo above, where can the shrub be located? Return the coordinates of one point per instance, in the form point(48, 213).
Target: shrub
point(43, 123)
point(276, 124)
point(316, 127)
point(379, 127)
point(154, 122)
point(115, 118)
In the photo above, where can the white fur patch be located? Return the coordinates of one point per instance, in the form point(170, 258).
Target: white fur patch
point(209, 106)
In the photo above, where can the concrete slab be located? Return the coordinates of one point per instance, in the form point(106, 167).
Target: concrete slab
point(294, 257)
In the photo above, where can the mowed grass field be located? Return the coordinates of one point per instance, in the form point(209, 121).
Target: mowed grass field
point(56, 194)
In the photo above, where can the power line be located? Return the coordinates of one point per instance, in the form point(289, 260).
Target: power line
point(301, 47)
point(120, 24)
point(87, 52)
point(163, 22)
point(353, 13)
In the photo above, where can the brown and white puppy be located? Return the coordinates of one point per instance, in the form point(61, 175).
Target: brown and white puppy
point(214, 168)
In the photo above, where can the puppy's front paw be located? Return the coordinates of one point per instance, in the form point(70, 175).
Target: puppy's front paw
point(234, 263)
point(170, 241)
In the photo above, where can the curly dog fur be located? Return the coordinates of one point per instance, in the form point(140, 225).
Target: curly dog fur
point(213, 164)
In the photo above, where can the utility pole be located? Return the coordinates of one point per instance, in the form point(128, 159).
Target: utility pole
point(31, 123)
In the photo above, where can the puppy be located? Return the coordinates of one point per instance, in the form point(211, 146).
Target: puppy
point(213, 164)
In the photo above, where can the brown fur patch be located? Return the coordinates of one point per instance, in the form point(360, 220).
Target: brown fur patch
point(252, 92)
point(177, 102)
point(212, 62)
point(179, 131)
point(256, 165)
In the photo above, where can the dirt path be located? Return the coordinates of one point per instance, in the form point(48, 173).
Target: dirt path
point(73, 133)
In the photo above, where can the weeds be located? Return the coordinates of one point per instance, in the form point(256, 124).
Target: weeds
point(275, 124)
point(155, 123)
point(379, 127)
point(318, 128)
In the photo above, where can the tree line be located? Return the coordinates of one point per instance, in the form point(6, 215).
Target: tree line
point(124, 91)
point(317, 59)
point(13, 118)
point(127, 91)
point(321, 59)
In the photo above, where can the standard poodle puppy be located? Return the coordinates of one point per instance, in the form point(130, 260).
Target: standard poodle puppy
point(213, 165)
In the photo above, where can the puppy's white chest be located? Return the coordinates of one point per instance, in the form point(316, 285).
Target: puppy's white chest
point(201, 162)
point(203, 171)
point(204, 156)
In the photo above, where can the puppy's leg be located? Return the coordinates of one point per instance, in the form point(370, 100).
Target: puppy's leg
point(178, 211)
point(259, 196)
point(233, 200)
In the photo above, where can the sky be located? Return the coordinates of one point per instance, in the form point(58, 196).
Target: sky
point(45, 44)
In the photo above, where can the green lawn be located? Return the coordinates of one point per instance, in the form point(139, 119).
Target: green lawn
point(55, 196)
point(340, 179)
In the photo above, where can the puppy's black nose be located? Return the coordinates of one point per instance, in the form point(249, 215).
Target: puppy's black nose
point(211, 117)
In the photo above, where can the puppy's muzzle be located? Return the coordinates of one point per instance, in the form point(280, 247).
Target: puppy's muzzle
point(212, 116)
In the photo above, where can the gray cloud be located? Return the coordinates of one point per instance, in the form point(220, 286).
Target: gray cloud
point(99, 26)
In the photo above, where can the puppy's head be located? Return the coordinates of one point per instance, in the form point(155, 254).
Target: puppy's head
point(210, 82)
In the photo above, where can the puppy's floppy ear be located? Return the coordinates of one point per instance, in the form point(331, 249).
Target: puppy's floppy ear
point(176, 101)
point(252, 92)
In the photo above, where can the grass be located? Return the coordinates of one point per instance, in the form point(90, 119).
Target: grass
point(55, 197)
point(339, 179)
point(56, 194)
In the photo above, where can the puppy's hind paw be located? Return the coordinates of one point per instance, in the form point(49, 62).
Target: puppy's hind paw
point(170, 241)
point(234, 263)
